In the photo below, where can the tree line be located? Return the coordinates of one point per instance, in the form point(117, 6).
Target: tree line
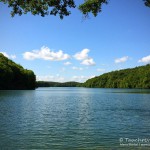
point(14, 77)
point(56, 84)
point(138, 77)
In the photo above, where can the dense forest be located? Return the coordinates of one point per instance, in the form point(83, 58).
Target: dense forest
point(14, 76)
point(56, 84)
point(138, 77)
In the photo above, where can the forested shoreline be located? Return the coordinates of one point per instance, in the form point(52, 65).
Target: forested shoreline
point(57, 84)
point(138, 77)
point(14, 77)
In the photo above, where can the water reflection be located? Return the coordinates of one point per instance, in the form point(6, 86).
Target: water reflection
point(71, 118)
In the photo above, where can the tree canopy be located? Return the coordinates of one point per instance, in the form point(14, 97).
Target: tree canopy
point(56, 7)
point(57, 84)
point(14, 76)
point(138, 77)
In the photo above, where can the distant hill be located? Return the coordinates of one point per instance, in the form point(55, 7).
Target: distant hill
point(14, 76)
point(56, 84)
point(138, 77)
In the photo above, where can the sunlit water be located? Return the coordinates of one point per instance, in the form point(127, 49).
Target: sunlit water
point(74, 118)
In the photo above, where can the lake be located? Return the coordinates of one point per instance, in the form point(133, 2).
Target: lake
point(75, 118)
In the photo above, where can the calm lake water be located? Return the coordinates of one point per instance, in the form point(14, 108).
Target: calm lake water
point(75, 118)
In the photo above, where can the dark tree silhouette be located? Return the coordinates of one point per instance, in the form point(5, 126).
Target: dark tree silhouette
point(14, 76)
point(56, 7)
point(57, 84)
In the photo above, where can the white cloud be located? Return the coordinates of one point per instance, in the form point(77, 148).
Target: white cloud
point(46, 54)
point(91, 77)
point(77, 68)
point(82, 55)
point(44, 78)
point(13, 56)
point(122, 59)
point(5, 54)
point(81, 78)
point(67, 63)
point(101, 70)
point(56, 78)
point(88, 62)
point(145, 59)
point(9, 56)
point(59, 78)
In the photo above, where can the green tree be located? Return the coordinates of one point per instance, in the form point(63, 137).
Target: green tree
point(14, 76)
point(138, 77)
point(56, 7)
point(57, 84)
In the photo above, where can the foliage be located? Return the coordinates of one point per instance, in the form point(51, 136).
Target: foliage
point(93, 6)
point(40, 7)
point(14, 76)
point(56, 84)
point(138, 77)
point(147, 3)
point(55, 7)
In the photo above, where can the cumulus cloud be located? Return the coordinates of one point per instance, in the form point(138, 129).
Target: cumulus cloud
point(44, 78)
point(46, 54)
point(122, 59)
point(77, 68)
point(145, 59)
point(82, 55)
point(8, 56)
point(67, 63)
point(56, 78)
point(81, 78)
point(59, 78)
point(88, 62)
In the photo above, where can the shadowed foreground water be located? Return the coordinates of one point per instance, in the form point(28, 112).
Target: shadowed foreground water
point(75, 118)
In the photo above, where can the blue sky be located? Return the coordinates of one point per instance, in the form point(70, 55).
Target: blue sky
point(75, 49)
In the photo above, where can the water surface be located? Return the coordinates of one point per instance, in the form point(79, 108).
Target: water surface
point(74, 118)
